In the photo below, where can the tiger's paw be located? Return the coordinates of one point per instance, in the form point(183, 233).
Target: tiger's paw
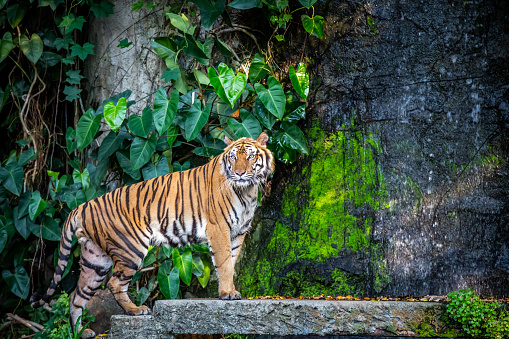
point(142, 310)
point(229, 295)
point(88, 333)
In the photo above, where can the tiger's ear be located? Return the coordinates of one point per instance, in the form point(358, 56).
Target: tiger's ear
point(262, 139)
point(227, 140)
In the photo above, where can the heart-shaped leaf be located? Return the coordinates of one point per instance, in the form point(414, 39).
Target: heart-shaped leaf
point(196, 119)
point(15, 14)
point(37, 205)
point(87, 128)
point(81, 177)
point(76, 199)
point(141, 151)
point(165, 110)
point(184, 263)
point(109, 145)
point(258, 69)
point(210, 11)
point(169, 281)
point(141, 125)
point(6, 45)
point(22, 224)
point(32, 48)
point(249, 128)
point(12, 177)
point(115, 115)
point(300, 80)
point(314, 25)
point(19, 282)
point(228, 86)
point(273, 98)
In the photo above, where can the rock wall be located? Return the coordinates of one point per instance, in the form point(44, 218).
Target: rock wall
point(405, 190)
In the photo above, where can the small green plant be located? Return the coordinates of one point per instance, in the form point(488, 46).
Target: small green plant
point(58, 326)
point(477, 318)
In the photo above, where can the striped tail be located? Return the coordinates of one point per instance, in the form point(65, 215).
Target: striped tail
point(63, 257)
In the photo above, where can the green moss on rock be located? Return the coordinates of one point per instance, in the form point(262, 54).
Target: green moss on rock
point(328, 213)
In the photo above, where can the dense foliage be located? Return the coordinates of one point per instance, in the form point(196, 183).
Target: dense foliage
point(477, 318)
point(55, 163)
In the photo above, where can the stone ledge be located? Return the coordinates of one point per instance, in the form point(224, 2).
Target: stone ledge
point(273, 317)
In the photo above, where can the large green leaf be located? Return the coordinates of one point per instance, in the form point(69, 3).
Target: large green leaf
point(223, 48)
point(4, 96)
point(164, 109)
point(76, 199)
point(72, 92)
point(181, 22)
point(81, 177)
point(23, 203)
point(115, 115)
point(249, 127)
point(49, 228)
point(246, 4)
point(19, 282)
point(102, 9)
point(141, 151)
point(164, 47)
point(258, 68)
point(263, 115)
point(184, 263)
point(197, 265)
point(307, 3)
point(273, 98)
point(228, 86)
point(6, 45)
point(171, 134)
point(300, 80)
point(204, 278)
point(109, 145)
point(23, 224)
point(160, 168)
point(196, 119)
point(26, 156)
point(125, 164)
point(210, 11)
point(141, 125)
point(192, 48)
point(12, 177)
point(32, 48)
point(314, 25)
point(37, 205)
point(87, 128)
point(292, 137)
point(15, 14)
point(169, 281)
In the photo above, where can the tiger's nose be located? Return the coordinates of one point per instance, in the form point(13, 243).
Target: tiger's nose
point(240, 173)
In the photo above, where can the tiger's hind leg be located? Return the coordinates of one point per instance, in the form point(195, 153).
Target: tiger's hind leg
point(95, 265)
point(123, 274)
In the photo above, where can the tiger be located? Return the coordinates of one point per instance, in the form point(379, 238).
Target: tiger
point(213, 203)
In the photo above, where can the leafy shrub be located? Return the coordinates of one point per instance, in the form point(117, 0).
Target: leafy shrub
point(477, 318)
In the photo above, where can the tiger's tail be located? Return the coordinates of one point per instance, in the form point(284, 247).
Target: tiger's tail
point(65, 251)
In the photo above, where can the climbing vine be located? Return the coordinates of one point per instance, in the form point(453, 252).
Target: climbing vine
point(56, 156)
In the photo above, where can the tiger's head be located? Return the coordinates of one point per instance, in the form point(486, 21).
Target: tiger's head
point(247, 162)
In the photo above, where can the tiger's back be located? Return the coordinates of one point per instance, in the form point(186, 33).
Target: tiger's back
point(213, 203)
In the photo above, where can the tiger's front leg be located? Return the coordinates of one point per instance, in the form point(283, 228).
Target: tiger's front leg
point(219, 243)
